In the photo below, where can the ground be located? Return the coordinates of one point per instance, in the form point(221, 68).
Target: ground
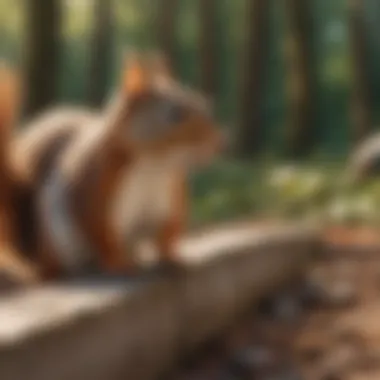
point(324, 327)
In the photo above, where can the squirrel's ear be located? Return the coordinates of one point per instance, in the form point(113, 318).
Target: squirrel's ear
point(10, 93)
point(136, 78)
point(160, 65)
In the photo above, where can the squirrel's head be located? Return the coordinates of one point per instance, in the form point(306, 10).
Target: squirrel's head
point(164, 117)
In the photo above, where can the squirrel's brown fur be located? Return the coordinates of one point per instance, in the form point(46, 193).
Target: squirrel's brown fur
point(127, 173)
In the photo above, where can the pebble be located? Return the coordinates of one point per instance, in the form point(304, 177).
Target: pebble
point(284, 307)
point(252, 360)
point(342, 294)
point(312, 294)
point(337, 294)
point(284, 375)
point(287, 308)
point(336, 362)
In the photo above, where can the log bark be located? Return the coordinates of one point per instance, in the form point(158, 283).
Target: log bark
point(120, 329)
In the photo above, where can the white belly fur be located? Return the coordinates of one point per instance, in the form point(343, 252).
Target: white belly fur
point(143, 199)
point(69, 244)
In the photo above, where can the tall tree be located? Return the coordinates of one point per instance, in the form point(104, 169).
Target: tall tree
point(208, 51)
point(361, 110)
point(166, 28)
point(300, 132)
point(101, 52)
point(372, 16)
point(42, 53)
point(252, 84)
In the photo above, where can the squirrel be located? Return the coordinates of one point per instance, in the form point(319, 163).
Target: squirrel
point(13, 264)
point(33, 151)
point(124, 177)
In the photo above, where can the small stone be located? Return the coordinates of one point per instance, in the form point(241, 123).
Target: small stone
point(342, 294)
point(287, 308)
point(283, 374)
point(259, 356)
point(336, 294)
point(251, 360)
point(265, 307)
point(337, 361)
point(312, 294)
point(224, 375)
point(331, 376)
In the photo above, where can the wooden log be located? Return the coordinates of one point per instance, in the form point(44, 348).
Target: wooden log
point(120, 329)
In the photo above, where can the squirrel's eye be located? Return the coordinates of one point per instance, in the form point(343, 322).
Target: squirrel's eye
point(174, 114)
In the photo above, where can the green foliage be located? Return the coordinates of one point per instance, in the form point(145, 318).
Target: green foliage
point(311, 191)
point(11, 31)
point(225, 191)
point(135, 25)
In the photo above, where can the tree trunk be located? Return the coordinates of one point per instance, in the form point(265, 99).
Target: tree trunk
point(166, 29)
point(361, 110)
point(253, 65)
point(208, 50)
point(101, 52)
point(300, 133)
point(42, 54)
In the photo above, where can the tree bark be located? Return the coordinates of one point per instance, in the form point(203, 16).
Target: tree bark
point(166, 29)
point(208, 49)
point(101, 52)
point(42, 54)
point(253, 65)
point(360, 108)
point(300, 133)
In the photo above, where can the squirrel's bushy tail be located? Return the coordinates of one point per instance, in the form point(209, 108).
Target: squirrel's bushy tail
point(9, 105)
point(11, 262)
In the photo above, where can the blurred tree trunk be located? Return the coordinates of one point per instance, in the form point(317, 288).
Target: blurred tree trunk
point(300, 132)
point(101, 52)
point(42, 54)
point(208, 43)
point(360, 108)
point(372, 16)
point(252, 85)
point(166, 29)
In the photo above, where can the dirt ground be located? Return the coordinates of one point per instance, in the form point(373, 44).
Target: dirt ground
point(326, 327)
